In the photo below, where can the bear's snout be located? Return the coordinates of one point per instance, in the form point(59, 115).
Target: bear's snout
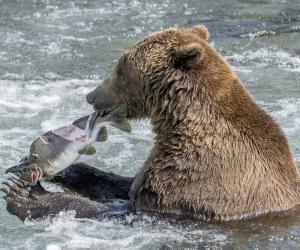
point(102, 98)
point(90, 97)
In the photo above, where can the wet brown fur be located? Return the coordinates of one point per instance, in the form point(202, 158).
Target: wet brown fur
point(217, 154)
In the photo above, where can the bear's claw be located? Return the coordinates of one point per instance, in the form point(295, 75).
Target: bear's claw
point(17, 181)
point(15, 190)
point(20, 197)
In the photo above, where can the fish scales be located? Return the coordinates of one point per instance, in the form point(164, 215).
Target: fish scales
point(55, 150)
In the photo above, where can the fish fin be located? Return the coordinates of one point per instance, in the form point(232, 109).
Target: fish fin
point(102, 135)
point(119, 119)
point(87, 150)
point(90, 150)
point(81, 122)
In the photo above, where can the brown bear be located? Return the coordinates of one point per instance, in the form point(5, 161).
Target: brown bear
point(217, 154)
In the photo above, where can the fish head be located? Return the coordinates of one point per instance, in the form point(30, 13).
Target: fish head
point(28, 170)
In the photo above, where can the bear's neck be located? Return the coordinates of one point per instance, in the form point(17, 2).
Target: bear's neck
point(227, 112)
point(184, 130)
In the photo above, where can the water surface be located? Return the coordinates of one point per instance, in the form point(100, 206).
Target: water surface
point(54, 52)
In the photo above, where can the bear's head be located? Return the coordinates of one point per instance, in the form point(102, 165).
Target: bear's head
point(162, 75)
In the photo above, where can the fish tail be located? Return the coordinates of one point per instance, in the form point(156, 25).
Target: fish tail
point(18, 168)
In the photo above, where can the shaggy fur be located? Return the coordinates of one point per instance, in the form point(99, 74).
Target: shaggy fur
point(217, 154)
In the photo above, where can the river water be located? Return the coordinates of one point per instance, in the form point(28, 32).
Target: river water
point(52, 53)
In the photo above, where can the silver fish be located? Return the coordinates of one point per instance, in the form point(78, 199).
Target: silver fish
point(55, 150)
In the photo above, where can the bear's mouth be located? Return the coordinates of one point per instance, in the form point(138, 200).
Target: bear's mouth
point(104, 106)
point(105, 110)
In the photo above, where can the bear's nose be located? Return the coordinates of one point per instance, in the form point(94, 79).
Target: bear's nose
point(90, 97)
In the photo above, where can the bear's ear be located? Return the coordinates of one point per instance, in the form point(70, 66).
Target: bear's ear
point(201, 31)
point(188, 56)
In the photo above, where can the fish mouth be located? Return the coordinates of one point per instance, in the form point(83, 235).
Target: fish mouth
point(27, 171)
point(36, 175)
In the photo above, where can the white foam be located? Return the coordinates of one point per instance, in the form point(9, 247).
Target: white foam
point(245, 70)
point(271, 56)
point(13, 76)
point(53, 247)
point(287, 112)
point(259, 33)
point(53, 48)
point(288, 108)
point(80, 39)
point(134, 232)
point(53, 123)
point(52, 75)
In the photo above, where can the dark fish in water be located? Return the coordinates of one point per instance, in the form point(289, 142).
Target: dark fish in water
point(55, 150)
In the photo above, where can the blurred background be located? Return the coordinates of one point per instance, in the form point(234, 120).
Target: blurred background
point(52, 53)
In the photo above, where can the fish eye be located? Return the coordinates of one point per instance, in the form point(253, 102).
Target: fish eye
point(34, 157)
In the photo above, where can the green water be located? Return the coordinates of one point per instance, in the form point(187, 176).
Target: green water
point(52, 53)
